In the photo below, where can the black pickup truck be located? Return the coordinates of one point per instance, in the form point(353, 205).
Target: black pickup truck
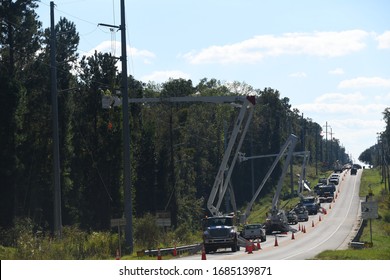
point(312, 204)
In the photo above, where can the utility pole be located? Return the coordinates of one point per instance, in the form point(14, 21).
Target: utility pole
point(126, 133)
point(126, 136)
point(54, 105)
point(316, 139)
point(331, 145)
point(327, 157)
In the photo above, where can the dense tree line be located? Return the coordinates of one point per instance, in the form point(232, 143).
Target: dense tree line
point(378, 155)
point(176, 148)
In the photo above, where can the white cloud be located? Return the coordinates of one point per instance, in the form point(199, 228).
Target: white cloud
point(323, 44)
point(163, 76)
point(114, 47)
point(337, 71)
point(331, 98)
point(298, 75)
point(352, 105)
point(361, 82)
point(384, 40)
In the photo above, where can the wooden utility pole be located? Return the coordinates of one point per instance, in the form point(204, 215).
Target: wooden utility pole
point(126, 133)
point(126, 136)
point(54, 109)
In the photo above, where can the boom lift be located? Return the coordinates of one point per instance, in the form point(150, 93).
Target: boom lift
point(222, 180)
point(288, 148)
point(302, 176)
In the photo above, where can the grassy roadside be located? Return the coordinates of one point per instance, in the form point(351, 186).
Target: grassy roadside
point(380, 250)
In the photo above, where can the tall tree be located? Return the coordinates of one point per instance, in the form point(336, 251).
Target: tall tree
point(96, 170)
point(20, 39)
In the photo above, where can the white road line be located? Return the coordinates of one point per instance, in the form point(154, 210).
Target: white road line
point(331, 235)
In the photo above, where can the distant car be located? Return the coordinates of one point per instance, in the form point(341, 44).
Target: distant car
point(254, 231)
point(292, 217)
point(353, 171)
point(357, 166)
point(302, 213)
point(334, 179)
point(322, 181)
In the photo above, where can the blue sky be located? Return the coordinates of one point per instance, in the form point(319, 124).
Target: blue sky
point(330, 58)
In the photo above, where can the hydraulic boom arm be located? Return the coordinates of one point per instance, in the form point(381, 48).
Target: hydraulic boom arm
point(227, 165)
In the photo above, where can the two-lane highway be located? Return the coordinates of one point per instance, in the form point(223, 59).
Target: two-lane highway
point(330, 232)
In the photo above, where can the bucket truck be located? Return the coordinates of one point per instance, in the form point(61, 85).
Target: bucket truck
point(277, 219)
point(220, 231)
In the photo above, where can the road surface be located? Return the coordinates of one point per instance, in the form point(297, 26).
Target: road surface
point(330, 231)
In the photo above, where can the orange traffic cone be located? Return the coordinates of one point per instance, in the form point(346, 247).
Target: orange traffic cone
point(304, 229)
point(276, 240)
point(118, 256)
point(258, 244)
point(299, 227)
point(292, 236)
point(174, 253)
point(312, 223)
point(158, 254)
point(203, 258)
point(249, 248)
point(319, 218)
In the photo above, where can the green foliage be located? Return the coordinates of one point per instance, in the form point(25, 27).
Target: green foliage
point(75, 244)
point(146, 233)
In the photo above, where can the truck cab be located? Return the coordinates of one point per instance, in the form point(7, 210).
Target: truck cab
point(311, 203)
point(219, 232)
point(326, 193)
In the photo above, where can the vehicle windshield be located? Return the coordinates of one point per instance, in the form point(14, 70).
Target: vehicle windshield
point(252, 226)
point(308, 200)
point(222, 221)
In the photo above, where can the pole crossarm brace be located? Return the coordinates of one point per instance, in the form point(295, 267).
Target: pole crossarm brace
point(110, 25)
point(242, 156)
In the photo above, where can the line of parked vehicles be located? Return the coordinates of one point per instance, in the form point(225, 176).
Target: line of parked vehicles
point(324, 191)
point(221, 232)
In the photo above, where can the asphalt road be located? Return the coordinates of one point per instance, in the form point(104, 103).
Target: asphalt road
point(330, 231)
